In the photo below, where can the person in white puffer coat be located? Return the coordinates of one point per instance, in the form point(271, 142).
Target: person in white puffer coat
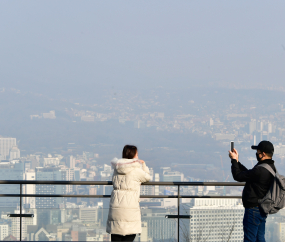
point(124, 219)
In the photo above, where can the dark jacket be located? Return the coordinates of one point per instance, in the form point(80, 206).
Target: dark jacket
point(258, 181)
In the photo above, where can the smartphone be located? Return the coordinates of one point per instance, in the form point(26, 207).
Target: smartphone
point(232, 146)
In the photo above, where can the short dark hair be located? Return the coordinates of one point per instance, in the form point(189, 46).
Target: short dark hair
point(129, 151)
point(269, 154)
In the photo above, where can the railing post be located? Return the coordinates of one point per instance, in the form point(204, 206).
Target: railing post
point(178, 206)
point(20, 212)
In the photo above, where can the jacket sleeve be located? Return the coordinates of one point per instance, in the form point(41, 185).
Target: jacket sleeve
point(242, 167)
point(143, 175)
point(242, 174)
point(145, 168)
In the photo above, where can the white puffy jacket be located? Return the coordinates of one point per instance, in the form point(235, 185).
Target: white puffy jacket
point(124, 213)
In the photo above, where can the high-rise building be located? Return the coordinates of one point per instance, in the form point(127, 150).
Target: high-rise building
point(71, 161)
point(25, 222)
point(144, 235)
point(252, 126)
point(151, 174)
point(216, 220)
point(45, 204)
point(5, 145)
point(261, 125)
point(88, 215)
point(147, 190)
point(30, 189)
point(14, 153)
point(54, 216)
point(280, 231)
point(156, 188)
point(4, 231)
point(67, 175)
point(106, 174)
point(51, 161)
point(10, 171)
point(270, 128)
point(172, 176)
point(254, 140)
point(48, 174)
point(279, 150)
point(159, 227)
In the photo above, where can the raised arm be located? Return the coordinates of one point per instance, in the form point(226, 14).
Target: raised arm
point(142, 175)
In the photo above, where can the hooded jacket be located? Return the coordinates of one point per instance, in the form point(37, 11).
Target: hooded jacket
point(124, 212)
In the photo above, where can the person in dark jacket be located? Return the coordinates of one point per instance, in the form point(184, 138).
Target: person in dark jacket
point(257, 183)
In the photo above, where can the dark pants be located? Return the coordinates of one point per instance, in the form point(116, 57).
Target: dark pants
point(254, 225)
point(117, 237)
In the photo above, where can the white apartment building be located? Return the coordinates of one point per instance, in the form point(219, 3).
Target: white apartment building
point(68, 175)
point(147, 190)
point(143, 236)
point(14, 153)
point(279, 149)
point(89, 215)
point(280, 229)
point(172, 176)
point(216, 220)
point(25, 222)
point(156, 188)
point(30, 188)
point(4, 231)
point(51, 161)
point(72, 161)
point(6, 144)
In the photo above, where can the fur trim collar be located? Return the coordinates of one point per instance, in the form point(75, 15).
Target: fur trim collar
point(123, 162)
point(124, 166)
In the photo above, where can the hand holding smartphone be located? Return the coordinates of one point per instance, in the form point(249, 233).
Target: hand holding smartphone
point(233, 154)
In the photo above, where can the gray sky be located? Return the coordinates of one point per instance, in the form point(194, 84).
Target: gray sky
point(141, 43)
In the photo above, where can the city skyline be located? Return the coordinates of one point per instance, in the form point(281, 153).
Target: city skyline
point(180, 80)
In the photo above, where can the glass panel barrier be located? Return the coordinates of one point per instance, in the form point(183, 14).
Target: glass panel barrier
point(211, 219)
point(9, 226)
point(84, 219)
point(70, 220)
point(157, 225)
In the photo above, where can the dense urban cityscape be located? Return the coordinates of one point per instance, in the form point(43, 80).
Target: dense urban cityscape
point(145, 121)
point(85, 218)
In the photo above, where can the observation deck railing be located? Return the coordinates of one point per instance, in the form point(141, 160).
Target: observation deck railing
point(177, 184)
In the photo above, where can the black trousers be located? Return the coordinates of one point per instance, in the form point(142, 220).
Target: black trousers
point(118, 237)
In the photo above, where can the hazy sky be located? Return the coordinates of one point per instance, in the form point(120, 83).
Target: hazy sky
point(141, 43)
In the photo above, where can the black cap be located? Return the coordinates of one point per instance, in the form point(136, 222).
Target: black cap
point(264, 146)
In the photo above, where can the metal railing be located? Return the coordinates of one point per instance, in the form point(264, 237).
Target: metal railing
point(178, 196)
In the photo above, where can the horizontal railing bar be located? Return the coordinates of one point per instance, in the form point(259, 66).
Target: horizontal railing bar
point(178, 216)
point(29, 182)
point(52, 195)
point(190, 196)
point(229, 184)
point(20, 215)
point(106, 196)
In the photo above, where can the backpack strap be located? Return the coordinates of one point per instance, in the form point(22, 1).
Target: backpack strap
point(268, 167)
